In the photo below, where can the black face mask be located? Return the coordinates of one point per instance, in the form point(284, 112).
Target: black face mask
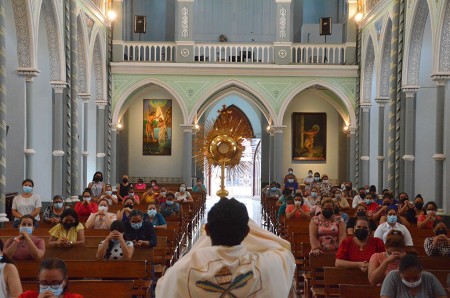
point(441, 232)
point(348, 188)
point(361, 213)
point(124, 180)
point(67, 225)
point(361, 234)
point(327, 213)
point(97, 179)
point(385, 204)
point(419, 205)
point(129, 206)
point(362, 195)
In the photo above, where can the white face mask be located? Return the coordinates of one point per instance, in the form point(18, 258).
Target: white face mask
point(182, 188)
point(325, 181)
point(103, 208)
point(291, 180)
point(412, 284)
point(290, 172)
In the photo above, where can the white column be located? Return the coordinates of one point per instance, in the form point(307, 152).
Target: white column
point(183, 31)
point(381, 103)
point(85, 99)
point(365, 143)
point(101, 133)
point(278, 153)
point(283, 32)
point(352, 152)
point(58, 136)
point(187, 153)
point(113, 180)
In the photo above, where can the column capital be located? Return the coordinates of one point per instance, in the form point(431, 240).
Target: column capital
point(439, 157)
point(28, 73)
point(365, 107)
point(410, 91)
point(29, 152)
point(283, 1)
point(58, 86)
point(181, 1)
point(85, 97)
point(58, 153)
point(408, 157)
point(101, 103)
point(188, 127)
point(440, 78)
point(351, 130)
point(381, 101)
point(278, 128)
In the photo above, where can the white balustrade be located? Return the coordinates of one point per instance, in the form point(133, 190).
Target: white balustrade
point(229, 52)
point(149, 51)
point(318, 53)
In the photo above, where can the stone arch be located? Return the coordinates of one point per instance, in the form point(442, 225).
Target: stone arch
point(82, 57)
point(413, 46)
point(348, 115)
point(117, 112)
point(444, 47)
point(99, 67)
point(237, 87)
point(367, 73)
point(385, 67)
point(25, 45)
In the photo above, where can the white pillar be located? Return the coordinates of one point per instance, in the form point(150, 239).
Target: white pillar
point(365, 144)
point(187, 153)
point(101, 133)
point(381, 103)
point(278, 153)
point(85, 99)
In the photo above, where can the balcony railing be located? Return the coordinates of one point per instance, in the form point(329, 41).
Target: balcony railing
point(235, 53)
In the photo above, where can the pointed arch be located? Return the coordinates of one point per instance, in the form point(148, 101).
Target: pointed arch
point(84, 77)
point(385, 67)
point(238, 87)
point(443, 63)
point(25, 36)
point(367, 72)
point(348, 115)
point(117, 112)
point(99, 70)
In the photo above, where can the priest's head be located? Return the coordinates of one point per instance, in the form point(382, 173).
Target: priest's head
point(227, 223)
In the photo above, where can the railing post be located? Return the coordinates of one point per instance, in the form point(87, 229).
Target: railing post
point(183, 31)
point(283, 33)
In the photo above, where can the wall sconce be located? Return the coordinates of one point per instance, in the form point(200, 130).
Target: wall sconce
point(112, 15)
point(119, 126)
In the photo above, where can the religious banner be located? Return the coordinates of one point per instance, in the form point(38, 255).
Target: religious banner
point(157, 127)
point(309, 136)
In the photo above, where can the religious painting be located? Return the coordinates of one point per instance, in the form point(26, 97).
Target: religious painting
point(157, 127)
point(309, 136)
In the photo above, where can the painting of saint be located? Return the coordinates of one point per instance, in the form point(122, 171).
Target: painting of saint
point(309, 136)
point(157, 128)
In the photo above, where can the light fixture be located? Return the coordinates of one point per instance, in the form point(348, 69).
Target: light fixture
point(119, 126)
point(346, 128)
point(268, 128)
point(112, 15)
point(359, 17)
point(197, 127)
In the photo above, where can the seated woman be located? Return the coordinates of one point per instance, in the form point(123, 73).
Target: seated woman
point(340, 200)
point(154, 217)
point(183, 195)
point(149, 197)
point(170, 207)
point(141, 233)
point(392, 224)
point(313, 197)
point(286, 194)
point(371, 205)
point(291, 183)
point(101, 219)
point(53, 281)
point(325, 186)
point(439, 245)
point(382, 263)
point(26, 203)
point(199, 186)
point(86, 207)
point(109, 196)
point(132, 195)
point(154, 185)
point(426, 220)
point(140, 185)
point(10, 285)
point(411, 281)
point(69, 232)
point(355, 252)
point(25, 246)
point(124, 214)
point(326, 231)
point(361, 211)
point(52, 213)
point(111, 247)
point(273, 190)
point(299, 209)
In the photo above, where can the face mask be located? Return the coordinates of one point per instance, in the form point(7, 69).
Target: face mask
point(316, 178)
point(136, 225)
point(412, 284)
point(131, 194)
point(367, 191)
point(348, 188)
point(103, 208)
point(109, 193)
point(418, 205)
point(182, 188)
point(361, 213)
point(28, 230)
point(327, 213)
point(273, 188)
point(291, 180)
point(153, 184)
point(342, 186)
point(97, 178)
point(325, 181)
point(169, 202)
point(58, 205)
point(115, 241)
point(56, 292)
point(368, 202)
point(362, 195)
point(67, 225)
point(314, 194)
point(27, 189)
point(129, 206)
point(336, 210)
point(151, 213)
point(124, 180)
point(392, 219)
point(431, 212)
point(441, 232)
point(361, 234)
point(87, 199)
point(290, 172)
point(163, 193)
point(338, 196)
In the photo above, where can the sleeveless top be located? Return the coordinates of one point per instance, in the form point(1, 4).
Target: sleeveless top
point(124, 190)
point(97, 188)
point(3, 289)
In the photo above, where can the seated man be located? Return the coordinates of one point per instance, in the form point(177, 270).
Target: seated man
point(222, 262)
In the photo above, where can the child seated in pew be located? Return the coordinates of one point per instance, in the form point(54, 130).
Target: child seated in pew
point(114, 247)
point(141, 233)
point(10, 285)
point(101, 219)
point(52, 280)
point(155, 218)
point(25, 246)
point(69, 232)
point(162, 195)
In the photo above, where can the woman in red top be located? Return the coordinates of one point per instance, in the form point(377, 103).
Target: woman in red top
point(52, 281)
point(355, 252)
point(86, 207)
point(426, 220)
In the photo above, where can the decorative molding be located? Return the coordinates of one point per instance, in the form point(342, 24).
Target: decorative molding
point(188, 127)
point(58, 86)
point(439, 157)
point(28, 73)
point(381, 101)
point(99, 67)
point(365, 107)
point(84, 153)
point(283, 23)
point(440, 78)
point(84, 97)
point(29, 152)
point(278, 128)
point(81, 58)
point(48, 10)
point(386, 64)
point(185, 22)
point(58, 153)
point(408, 157)
point(352, 130)
point(282, 54)
point(380, 158)
point(368, 69)
point(364, 158)
point(444, 50)
point(410, 91)
point(24, 46)
point(101, 103)
point(101, 155)
point(184, 52)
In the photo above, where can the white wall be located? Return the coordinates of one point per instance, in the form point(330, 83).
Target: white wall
point(152, 166)
point(313, 101)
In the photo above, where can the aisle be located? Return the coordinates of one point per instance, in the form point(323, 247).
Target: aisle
point(253, 205)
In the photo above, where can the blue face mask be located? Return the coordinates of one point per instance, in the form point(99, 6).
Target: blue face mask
point(368, 202)
point(169, 202)
point(88, 199)
point(136, 225)
point(28, 230)
point(273, 188)
point(56, 292)
point(115, 241)
point(27, 189)
point(58, 205)
point(316, 178)
point(314, 194)
point(151, 213)
point(109, 193)
point(392, 219)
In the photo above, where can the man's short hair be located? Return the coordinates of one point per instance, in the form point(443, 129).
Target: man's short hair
point(228, 222)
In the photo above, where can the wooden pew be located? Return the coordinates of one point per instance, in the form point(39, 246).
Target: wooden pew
point(40, 232)
point(441, 275)
point(334, 276)
point(314, 281)
point(435, 263)
point(355, 291)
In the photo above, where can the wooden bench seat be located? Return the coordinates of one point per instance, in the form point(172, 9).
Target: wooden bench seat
point(333, 277)
point(355, 291)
